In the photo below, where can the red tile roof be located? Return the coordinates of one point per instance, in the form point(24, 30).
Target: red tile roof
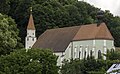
point(58, 39)
point(92, 31)
point(31, 23)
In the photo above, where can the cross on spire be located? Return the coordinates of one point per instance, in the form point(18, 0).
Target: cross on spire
point(31, 9)
point(31, 21)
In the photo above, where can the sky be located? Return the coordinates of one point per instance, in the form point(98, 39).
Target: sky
point(112, 5)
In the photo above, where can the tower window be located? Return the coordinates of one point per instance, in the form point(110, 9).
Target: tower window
point(27, 39)
point(33, 39)
point(29, 46)
point(33, 33)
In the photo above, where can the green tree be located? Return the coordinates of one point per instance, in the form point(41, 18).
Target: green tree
point(8, 34)
point(4, 6)
point(113, 55)
point(34, 61)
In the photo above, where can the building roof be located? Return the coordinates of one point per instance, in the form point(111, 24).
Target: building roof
point(58, 39)
point(113, 69)
point(92, 31)
point(31, 23)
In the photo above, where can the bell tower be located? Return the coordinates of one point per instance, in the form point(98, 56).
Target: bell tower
point(30, 38)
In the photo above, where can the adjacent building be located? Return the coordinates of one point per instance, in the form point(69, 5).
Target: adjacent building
point(114, 69)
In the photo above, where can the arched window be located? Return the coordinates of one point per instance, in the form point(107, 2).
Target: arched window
point(91, 53)
point(85, 54)
point(99, 54)
point(75, 52)
point(79, 54)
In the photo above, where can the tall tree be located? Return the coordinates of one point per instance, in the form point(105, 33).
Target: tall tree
point(4, 6)
point(8, 34)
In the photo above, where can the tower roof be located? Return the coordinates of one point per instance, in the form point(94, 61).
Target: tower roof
point(31, 23)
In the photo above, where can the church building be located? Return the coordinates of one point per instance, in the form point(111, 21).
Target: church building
point(72, 42)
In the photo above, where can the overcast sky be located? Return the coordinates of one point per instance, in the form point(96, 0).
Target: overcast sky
point(112, 5)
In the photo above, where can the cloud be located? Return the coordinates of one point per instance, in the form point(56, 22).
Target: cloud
point(112, 5)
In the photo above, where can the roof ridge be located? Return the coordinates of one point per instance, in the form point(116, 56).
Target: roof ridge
point(62, 28)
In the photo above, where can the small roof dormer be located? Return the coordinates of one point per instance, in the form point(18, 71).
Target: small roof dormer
point(31, 22)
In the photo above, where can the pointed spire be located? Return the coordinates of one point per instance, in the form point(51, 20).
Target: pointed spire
point(31, 21)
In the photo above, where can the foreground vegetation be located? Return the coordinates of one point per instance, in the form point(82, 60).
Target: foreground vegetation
point(34, 61)
point(91, 65)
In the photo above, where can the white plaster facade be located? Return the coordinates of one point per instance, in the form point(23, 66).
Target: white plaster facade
point(81, 49)
point(30, 39)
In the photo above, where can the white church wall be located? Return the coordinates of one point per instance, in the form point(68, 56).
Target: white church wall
point(99, 45)
point(103, 45)
point(30, 39)
point(91, 45)
point(84, 46)
point(29, 42)
point(68, 52)
point(63, 55)
point(59, 60)
point(31, 33)
point(109, 44)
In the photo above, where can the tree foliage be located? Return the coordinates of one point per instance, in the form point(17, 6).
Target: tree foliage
point(113, 55)
point(8, 34)
point(35, 61)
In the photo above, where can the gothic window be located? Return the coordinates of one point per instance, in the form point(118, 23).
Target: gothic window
point(99, 54)
point(91, 53)
point(80, 51)
point(79, 54)
point(85, 54)
point(75, 52)
point(33, 33)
